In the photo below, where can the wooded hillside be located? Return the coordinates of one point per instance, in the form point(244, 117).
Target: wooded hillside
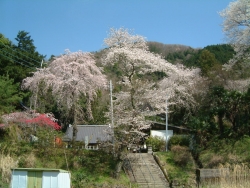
point(206, 91)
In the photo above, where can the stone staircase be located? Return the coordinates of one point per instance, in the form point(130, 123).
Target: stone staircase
point(143, 169)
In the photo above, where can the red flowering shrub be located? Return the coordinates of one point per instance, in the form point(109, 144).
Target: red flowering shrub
point(43, 120)
point(31, 118)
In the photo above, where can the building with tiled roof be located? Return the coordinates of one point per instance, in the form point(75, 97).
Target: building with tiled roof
point(90, 135)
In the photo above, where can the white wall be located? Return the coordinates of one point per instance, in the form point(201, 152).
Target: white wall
point(64, 180)
point(161, 133)
point(56, 179)
point(50, 179)
point(19, 179)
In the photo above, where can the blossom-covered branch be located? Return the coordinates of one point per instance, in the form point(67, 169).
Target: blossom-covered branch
point(69, 76)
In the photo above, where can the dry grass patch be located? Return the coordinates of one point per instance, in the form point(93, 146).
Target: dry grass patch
point(6, 163)
point(238, 177)
point(215, 161)
point(181, 155)
point(27, 161)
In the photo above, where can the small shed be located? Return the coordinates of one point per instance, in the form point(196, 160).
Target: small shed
point(40, 178)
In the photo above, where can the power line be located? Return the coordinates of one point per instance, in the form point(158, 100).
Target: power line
point(15, 61)
point(20, 52)
point(17, 57)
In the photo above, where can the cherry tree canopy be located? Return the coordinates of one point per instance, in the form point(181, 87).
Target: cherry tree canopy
point(236, 26)
point(141, 98)
point(178, 88)
point(69, 76)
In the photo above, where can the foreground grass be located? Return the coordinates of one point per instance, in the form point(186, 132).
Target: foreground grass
point(226, 151)
point(103, 181)
point(237, 176)
point(96, 168)
point(88, 168)
point(3, 184)
point(220, 153)
point(233, 154)
point(178, 173)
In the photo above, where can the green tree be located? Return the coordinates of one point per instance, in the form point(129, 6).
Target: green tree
point(206, 62)
point(218, 104)
point(18, 61)
point(27, 50)
point(25, 42)
point(5, 49)
point(223, 113)
point(9, 94)
point(222, 52)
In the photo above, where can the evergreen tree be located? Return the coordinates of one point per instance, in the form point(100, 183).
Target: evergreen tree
point(18, 61)
point(206, 62)
point(9, 94)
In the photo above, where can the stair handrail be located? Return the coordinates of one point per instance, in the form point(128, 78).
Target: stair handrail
point(131, 167)
point(147, 167)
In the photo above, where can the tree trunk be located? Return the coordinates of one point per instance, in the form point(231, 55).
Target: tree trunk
point(220, 123)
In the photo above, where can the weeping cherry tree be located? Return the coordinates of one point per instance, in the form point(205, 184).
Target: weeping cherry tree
point(69, 77)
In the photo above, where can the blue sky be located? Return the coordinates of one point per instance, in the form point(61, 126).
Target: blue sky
point(56, 25)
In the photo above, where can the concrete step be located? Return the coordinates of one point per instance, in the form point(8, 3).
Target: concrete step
point(146, 171)
point(152, 185)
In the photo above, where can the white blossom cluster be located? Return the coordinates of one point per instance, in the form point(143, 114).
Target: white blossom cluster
point(236, 22)
point(236, 26)
point(238, 85)
point(18, 117)
point(143, 98)
point(122, 38)
point(69, 76)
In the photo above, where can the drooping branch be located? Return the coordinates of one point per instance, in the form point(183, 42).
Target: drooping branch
point(69, 76)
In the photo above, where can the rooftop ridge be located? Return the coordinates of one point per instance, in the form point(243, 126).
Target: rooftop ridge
point(92, 125)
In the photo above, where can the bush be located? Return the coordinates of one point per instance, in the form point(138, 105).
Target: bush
point(157, 143)
point(180, 140)
point(215, 161)
point(181, 155)
point(27, 161)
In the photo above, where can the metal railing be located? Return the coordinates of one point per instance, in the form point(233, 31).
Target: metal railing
point(128, 167)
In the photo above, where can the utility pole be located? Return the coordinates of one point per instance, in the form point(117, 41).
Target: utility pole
point(166, 123)
point(41, 65)
point(112, 117)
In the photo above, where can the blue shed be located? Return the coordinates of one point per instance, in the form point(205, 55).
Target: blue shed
point(40, 178)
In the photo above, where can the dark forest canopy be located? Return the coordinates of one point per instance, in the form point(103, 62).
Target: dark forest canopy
point(19, 60)
point(177, 53)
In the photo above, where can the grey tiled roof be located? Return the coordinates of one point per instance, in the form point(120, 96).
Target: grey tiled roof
point(95, 133)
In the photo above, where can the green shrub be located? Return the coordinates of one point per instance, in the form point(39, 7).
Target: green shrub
point(24, 147)
point(180, 140)
point(157, 143)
